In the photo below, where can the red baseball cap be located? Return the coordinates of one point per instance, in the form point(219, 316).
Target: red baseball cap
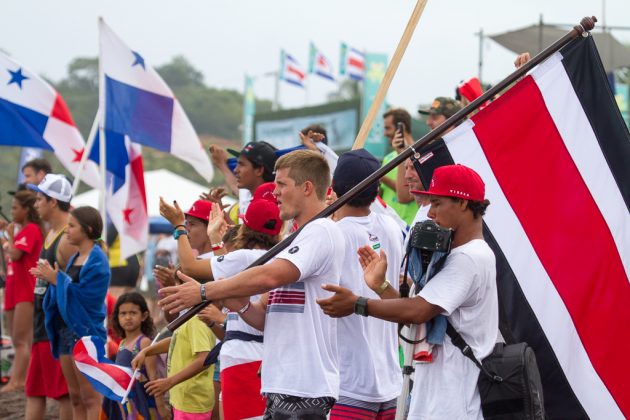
point(265, 192)
point(263, 216)
point(456, 181)
point(200, 209)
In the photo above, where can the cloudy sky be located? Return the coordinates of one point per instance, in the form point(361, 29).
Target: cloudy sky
point(228, 39)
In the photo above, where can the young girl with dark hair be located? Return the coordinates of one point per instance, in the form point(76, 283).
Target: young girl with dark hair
point(24, 238)
point(75, 303)
point(132, 321)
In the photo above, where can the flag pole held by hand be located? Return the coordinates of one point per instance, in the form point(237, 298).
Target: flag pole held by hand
point(135, 372)
point(585, 25)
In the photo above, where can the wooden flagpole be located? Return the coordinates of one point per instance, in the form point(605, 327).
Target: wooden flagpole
point(359, 142)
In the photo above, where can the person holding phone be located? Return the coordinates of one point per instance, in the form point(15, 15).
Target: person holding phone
point(397, 128)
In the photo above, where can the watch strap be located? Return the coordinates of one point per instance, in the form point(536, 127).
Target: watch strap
point(360, 306)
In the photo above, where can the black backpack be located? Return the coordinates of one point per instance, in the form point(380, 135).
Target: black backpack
point(509, 381)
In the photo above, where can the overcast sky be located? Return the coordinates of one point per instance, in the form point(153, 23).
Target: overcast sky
point(227, 39)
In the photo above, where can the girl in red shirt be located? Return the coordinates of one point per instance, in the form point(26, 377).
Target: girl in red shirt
point(24, 244)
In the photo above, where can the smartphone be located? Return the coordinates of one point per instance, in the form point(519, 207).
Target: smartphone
point(400, 127)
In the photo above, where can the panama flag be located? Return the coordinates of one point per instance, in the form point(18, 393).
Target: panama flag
point(107, 378)
point(319, 64)
point(290, 70)
point(137, 103)
point(352, 62)
point(33, 114)
point(125, 194)
point(554, 153)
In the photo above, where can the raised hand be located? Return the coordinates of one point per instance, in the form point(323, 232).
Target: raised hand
point(218, 156)
point(217, 225)
point(374, 266)
point(173, 213)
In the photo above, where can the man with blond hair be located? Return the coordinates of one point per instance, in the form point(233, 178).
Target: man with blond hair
point(300, 373)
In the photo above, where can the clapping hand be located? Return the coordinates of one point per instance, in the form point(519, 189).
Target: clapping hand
point(374, 266)
point(217, 225)
point(44, 271)
point(173, 213)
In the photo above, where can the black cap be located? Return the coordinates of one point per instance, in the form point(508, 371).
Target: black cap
point(259, 152)
point(20, 187)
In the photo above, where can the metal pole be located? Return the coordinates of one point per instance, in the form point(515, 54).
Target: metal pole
point(101, 128)
point(540, 33)
point(586, 24)
point(480, 68)
point(276, 93)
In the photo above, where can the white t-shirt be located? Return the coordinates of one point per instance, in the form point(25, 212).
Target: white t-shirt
point(235, 352)
point(467, 291)
point(300, 349)
point(368, 347)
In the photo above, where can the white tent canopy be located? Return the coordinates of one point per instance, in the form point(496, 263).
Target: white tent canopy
point(159, 183)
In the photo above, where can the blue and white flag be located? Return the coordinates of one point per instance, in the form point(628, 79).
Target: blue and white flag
point(34, 115)
point(138, 104)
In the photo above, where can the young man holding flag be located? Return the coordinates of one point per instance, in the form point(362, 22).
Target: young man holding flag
point(300, 374)
point(464, 290)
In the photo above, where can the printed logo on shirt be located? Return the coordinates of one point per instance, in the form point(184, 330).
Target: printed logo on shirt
point(373, 238)
point(22, 242)
point(221, 258)
point(294, 250)
point(287, 299)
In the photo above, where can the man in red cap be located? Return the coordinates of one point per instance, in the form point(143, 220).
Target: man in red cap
point(464, 291)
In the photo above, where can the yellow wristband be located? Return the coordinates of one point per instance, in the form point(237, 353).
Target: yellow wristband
point(381, 289)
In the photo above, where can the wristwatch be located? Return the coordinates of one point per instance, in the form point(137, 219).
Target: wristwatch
point(360, 306)
point(179, 232)
point(202, 289)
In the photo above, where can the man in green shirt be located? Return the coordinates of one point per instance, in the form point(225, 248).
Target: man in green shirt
point(406, 207)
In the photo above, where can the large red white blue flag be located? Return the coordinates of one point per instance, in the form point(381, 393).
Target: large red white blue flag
point(291, 71)
point(554, 153)
point(33, 114)
point(135, 102)
point(319, 64)
point(107, 378)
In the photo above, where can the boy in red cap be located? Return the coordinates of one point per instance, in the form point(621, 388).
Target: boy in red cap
point(464, 291)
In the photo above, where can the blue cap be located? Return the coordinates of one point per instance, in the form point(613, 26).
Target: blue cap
point(353, 167)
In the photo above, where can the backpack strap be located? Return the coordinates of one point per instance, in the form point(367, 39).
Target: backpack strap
point(459, 342)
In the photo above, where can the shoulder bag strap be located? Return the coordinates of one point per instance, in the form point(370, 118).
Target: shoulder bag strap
point(459, 342)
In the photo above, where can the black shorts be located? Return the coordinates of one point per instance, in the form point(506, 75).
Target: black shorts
point(289, 407)
point(126, 276)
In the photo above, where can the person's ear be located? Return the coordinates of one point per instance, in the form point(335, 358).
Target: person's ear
point(308, 188)
point(259, 171)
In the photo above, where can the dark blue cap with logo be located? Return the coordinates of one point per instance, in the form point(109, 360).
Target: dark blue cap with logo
point(353, 167)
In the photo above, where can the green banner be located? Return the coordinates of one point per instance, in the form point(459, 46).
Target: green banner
point(249, 110)
point(375, 67)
